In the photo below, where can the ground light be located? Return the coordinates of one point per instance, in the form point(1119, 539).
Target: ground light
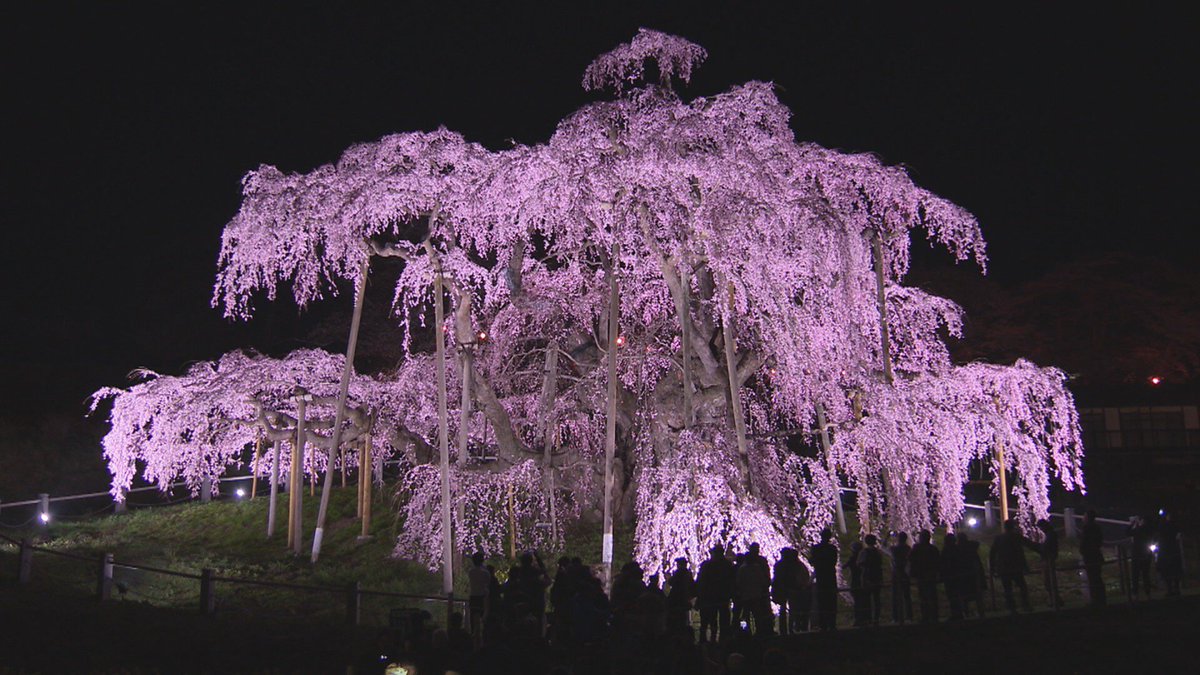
point(44, 517)
point(1154, 548)
point(972, 521)
point(240, 492)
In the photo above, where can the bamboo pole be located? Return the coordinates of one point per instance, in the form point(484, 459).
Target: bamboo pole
point(443, 434)
point(274, 489)
point(297, 538)
point(610, 422)
point(291, 490)
point(342, 460)
point(335, 442)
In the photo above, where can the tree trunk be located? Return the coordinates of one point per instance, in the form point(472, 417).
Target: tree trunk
point(885, 345)
point(340, 416)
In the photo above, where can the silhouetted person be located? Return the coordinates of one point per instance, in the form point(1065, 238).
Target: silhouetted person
point(561, 592)
point(753, 590)
point(925, 565)
point(901, 581)
point(1170, 555)
point(824, 558)
point(789, 586)
point(1091, 543)
point(679, 600)
point(970, 575)
point(1140, 554)
point(854, 567)
point(479, 581)
point(1048, 553)
point(1008, 562)
point(949, 566)
point(714, 591)
point(870, 561)
point(627, 588)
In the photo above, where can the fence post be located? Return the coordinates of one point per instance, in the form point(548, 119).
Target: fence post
point(208, 596)
point(989, 514)
point(119, 505)
point(43, 515)
point(25, 561)
point(1069, 522)
point(353, 604)
point(206, 490)
point(105, 581)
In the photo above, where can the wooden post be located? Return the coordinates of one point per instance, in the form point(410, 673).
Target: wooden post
point(1003, 482)
point(104, 581)
point(989, 514)
point(443, 434)
point(1069, 524)
point(205, 490)
point(335, 441)
point(297, 539)
point(121, 504)
point(841, 513)
point(735, 399)
point(258, 448)
point(367, 469)
point(610, 414)
point(885, 346)
point(274, 489)
point(685, 332)
point(512, 526)
point(43, 515)
point(358, 505)
point(208, 592)
point(25, 561)
point(549, 392)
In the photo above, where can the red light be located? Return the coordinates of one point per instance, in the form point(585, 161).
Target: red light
point(620, 340)
point(1156, 380)
point(482, 336)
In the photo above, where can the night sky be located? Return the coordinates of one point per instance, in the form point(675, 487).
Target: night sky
point(128, 128)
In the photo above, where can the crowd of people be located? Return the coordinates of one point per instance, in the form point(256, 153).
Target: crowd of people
point(732, 593)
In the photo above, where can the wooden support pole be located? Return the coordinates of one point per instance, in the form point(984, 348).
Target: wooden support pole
point(610, 414)
point(358, 506)
point(274, 489)
point(825, 445)
point(368, 485)
point(335, 441)
point(685, 355)
point(735, 399)
point(885, 345)
point(549, 392)
point(258, 449)
point(208, 592)
point(443, 435)
point(25, 561)
point(1003, 482)
point(297, 539)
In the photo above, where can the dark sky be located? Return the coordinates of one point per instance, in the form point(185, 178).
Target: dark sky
point(128, 127)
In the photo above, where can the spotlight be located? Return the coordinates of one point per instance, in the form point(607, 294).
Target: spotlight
point(1154, 548)
point(620, 340)
point(972, 521)
point(44, 517)
point(481, 336)
point(1155, 380)
point(240, 492)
